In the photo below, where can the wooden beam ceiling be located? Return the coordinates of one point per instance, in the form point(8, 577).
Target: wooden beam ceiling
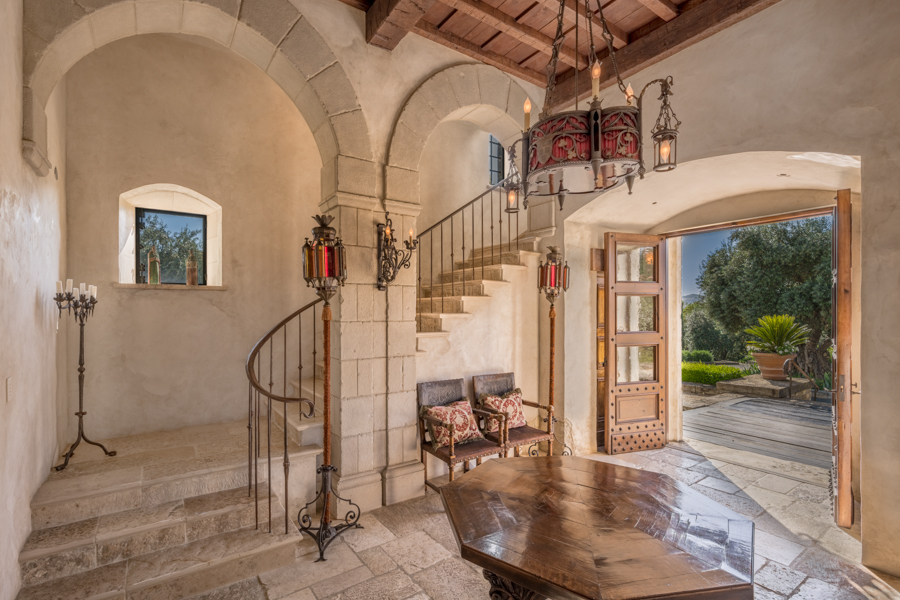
point(455, 42)
point(501, 21)
point(620, 36)
point(387, 21)
point(691, 26)
point(663, 8)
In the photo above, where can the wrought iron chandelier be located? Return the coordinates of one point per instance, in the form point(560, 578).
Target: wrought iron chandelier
point(588, 152)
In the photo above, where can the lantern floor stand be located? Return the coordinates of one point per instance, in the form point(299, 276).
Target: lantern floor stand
point(82, 307)
point(326, 532)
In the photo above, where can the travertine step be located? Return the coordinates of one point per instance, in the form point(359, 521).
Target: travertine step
point(476, 287)
point(489, 272)
point(521, 245)
point(176, 572)
point(451, 304)
point(513, 258)
point(302, 431)
point(154, 469)
point(99, 541)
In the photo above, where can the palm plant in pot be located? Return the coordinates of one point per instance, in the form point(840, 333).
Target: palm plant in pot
point(777, 338)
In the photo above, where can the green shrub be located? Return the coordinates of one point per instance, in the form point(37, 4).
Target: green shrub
point(697, 356)
point(708, 374)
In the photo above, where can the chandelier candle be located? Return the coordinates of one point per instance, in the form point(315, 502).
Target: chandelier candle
point(79, 304)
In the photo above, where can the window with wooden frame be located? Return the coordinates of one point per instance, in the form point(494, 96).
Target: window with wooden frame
point(496, 163)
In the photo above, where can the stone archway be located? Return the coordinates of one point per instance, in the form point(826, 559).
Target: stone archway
point(477, 93)
point(271, 34)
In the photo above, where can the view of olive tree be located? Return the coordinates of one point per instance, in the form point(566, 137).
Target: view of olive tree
point(778, 269)
point(174, 236)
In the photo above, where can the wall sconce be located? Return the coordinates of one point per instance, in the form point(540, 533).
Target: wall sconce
point(390, 258)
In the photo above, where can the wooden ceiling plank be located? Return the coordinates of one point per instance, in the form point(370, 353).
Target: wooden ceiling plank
point(501, 21)
point(362, 5)
point(455, 42)
point(690, 27)
point(620, 36)
point(387, 21)
point(663, 8)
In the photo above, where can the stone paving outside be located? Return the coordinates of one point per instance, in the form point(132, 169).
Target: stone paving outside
point(407, 551)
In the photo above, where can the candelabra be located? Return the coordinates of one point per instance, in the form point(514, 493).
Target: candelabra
point(390, 258)
point(324, 269)
point(80, 303)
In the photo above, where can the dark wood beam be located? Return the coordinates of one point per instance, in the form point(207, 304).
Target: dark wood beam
point(690, 27)
point(464, 46)
point(501, 21)
point(387, 21)
point(662, 8)
point(620, 36)
point(362, 5)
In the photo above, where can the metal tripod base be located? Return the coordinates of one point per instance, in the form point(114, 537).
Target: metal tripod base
point(327, 531)
point(81, 436)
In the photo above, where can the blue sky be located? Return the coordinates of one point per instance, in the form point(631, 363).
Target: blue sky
point(694, 249)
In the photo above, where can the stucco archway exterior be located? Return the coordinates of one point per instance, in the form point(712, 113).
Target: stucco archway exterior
point(272, 35)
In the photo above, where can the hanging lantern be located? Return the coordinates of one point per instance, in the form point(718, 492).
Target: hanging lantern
point(553, 276)
point(324, 259)
point(665, 132)
point(512, 199)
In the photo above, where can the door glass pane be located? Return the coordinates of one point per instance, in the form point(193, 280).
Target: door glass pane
point(635, 313)
point(635, 262)
point(635, 363)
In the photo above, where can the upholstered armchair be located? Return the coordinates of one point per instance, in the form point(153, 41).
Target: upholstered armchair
point(516, 437)
point(444, 393)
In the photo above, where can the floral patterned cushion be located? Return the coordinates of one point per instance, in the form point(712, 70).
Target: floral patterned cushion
point(465, 428)
point(511, 404)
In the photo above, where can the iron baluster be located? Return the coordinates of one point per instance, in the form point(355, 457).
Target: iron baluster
point(287, 460)
point(452, 264)
point(492, 227)
point(482, 238)
point(431, 276)
point(462, 219)
point(269, 437)
point(500, 212)
point(473, 244)
point(249, 441)
point(442, 264)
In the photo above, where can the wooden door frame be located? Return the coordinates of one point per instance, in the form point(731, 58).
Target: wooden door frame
point(656, 433)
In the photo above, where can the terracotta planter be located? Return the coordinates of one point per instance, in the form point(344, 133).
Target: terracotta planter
point(772, 365)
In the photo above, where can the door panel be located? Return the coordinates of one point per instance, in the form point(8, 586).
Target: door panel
point(601, 360)
point(635, 300)
point(841, 330)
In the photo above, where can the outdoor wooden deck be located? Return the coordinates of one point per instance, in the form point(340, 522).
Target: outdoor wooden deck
point(795, 431)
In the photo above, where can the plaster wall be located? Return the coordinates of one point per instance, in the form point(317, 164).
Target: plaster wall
point(32, 259)
point(177, 110)
point(823, 110)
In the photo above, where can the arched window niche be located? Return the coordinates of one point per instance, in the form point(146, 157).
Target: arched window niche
point(174, 198)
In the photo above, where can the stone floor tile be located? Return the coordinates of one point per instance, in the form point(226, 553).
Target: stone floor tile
point(452, 579)
point(804, 519)
point(719, 484)
point(416, 551)
point(775, 548)
point(761, 593)
point(779, 578)
point(341, 582)
point(410, 516)
point(377, 560)
point(306, 572)
point(678, 459)
point(768, 523)
point(373, 533)
point(819, 564)
point(678, 473)
point(441, 531)
point(810, 493)
point(766, 498)
point(759, 562)
point(816, 589)
point(741, 476)
point(837, 541)
point(246, 589)
point(776, 483)
point(743, 506)
point(395, 585)
point(304, 594)
point(104, 580)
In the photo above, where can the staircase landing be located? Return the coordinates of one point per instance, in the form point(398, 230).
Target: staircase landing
point(169, 517)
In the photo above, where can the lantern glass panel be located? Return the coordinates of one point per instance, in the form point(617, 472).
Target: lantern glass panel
point(635, 363)
point(635, 313)
point(635, 262)
point(664, 150)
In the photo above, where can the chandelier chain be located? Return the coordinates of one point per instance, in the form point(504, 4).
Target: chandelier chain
point(554, 58)
point(608, 38)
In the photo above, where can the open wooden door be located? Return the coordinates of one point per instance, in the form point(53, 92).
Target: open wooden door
point(841, 330)
point(635, 293)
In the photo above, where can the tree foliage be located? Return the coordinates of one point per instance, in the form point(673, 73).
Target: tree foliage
point(782, 268)
point(173, 248)
point(700, 332)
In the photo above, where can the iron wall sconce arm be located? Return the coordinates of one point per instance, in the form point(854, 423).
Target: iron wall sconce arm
point(390, 258)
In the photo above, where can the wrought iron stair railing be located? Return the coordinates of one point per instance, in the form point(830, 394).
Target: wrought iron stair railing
point(264, 360)
point(480, 220)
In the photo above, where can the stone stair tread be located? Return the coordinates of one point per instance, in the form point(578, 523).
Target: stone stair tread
point(432, 334)
point(165, 566)
point(459, 315)
point(64, 550)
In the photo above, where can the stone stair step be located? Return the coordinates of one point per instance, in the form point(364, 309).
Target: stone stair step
point(450, 304)
point(529, 244)
point(488, 273)
point(476, 287)
point(507, 258)
point(73, 548)
point(428, 324)
point(176, 572)
point(69, 498)
point(301, 431)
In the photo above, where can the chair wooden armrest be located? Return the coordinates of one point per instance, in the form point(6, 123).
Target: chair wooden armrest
point(448, 426)
point(492, 413)
point(546, 407)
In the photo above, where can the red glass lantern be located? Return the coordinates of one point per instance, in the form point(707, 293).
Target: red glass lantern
point(324, 259)
point(553, 276)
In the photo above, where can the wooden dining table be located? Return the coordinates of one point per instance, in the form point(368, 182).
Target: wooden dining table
point(567, 527)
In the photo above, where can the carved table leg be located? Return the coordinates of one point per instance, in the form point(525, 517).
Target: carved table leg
point(504, 589)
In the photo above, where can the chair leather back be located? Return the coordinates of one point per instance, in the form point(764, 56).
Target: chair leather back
point(494, 385)
point(440, 393)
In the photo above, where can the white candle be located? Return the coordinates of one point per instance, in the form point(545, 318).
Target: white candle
point(629, 92)
point(95, 292)
point(82, 289)
point(59, 287)
point(595, 80)
point(527, 114)
point(410, 236)
point(68, 286)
